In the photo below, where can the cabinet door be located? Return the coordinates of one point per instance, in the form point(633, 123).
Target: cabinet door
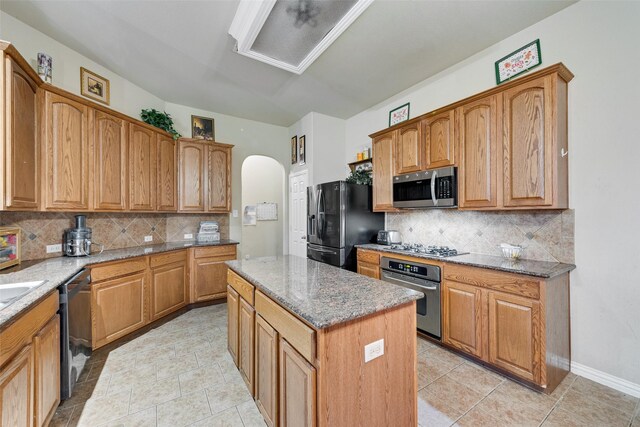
point(218, 179)
point(109, 162)
point(66, 153)
point(409, 149)
point(370, 270)
point(245, 342)
point(267, 371)
point(233, 307)
point(46, 345)
point(142, 168)
point(117, 308)
point(297, 389)
point(462, 317)
point(22, 173)
point(191, 172)
point(439, 132)
point(478, 172)
point(209, 279)
point(383, 167)
point(514, 335)
point(528, 134)
point(16, 391)
point(167, 169)
point(168, 289)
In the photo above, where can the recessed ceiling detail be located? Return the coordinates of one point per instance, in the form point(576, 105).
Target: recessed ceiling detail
point(291, 34)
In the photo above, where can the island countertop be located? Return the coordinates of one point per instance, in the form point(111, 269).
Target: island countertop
point(318, 293)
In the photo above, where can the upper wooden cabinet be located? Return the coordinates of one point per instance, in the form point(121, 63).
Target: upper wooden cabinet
point(440, 142)
point(142, 168)
point(383, 167)
point(219, 178)
point(22, 174)
point(109, 161)
point(167, 173)
point(409, 149)
point(65, 153)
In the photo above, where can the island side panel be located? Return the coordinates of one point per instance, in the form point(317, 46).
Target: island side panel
point(381, 392)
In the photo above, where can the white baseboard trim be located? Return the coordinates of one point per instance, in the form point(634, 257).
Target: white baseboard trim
point(606, 379)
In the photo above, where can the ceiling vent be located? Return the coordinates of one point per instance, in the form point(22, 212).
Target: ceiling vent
point(291, 34)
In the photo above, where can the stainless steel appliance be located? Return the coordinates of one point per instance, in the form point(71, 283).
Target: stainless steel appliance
point(389, 237)
point(339, 216)
point(437, 188)
point(75, 330)
point(77, 241)
point(424, 278)
point(436, 251)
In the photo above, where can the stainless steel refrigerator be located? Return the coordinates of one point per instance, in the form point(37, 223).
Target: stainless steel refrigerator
point(339, 216)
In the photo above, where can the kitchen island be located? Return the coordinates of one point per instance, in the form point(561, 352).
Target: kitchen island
point(317, 345)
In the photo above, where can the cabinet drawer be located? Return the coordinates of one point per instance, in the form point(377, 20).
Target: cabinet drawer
point(113, 270)
point(227, 252)
point(302, 337)
point(369, 256)
point(244, 288)
point(168, 258)
point(496, 280)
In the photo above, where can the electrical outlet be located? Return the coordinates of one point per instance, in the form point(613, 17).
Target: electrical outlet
point(373, 350)
point(235, 213)
point(188, 236)
point(54, 248)
point(148, 238)
point(247, 256)
point(148, 250)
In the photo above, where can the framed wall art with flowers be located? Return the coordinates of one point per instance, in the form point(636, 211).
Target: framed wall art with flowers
point(518, 61)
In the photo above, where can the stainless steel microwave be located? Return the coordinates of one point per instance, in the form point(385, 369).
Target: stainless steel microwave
point(437, 188)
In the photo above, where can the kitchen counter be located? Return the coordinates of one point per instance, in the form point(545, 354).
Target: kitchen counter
point(320, 294)
point(527, 267)
point(58, 270)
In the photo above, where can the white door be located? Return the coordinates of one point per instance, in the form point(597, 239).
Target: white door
point(298, 214)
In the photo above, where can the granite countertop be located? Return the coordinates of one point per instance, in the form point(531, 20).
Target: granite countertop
point(527, 267)
point(57, 270)
point(319, 293)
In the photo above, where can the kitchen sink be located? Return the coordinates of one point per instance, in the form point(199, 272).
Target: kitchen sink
point(11, 292)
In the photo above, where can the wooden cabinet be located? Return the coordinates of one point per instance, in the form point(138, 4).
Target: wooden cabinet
point(16, 390)
point(168, 283)
point(297, 388)
point(409, 149)
point(21, 148)
point(266, 372)
point(142, 168)
point(368, 263)
point(370, 270)
point(219, 178)
point(109, 162)
point(462, 317)
point(46, 346)
point(383, 169)
point(65, 154)
point(233, 312)
point(191, 176)
point(167, 173)
point(209, 272)
point(246, 319)
point(440, 137)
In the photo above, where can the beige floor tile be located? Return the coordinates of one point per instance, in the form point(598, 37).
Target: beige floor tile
point(184, 410)
point(603, 394)
point(562, 388)
point(431, 367)
point(585, 408)
point(200, 378)
point(157, 353)
point(434, 411)
point(151, 394)
point(458, 396)
point(476, 378)
point(232, 376)
point(536, 400)
point(133, 377)
point(176, 366)
point(213, 355)
point(511, 409)
point(226, 418)
point(61, 417)
point(146, 418)
point(561, 418)
point(227, 395)
point(250, 415)
point(75, 415)
point(105, 409)
point(424, 345)
point(478, 418)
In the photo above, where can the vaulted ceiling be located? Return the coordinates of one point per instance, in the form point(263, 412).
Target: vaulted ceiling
point(180, 51)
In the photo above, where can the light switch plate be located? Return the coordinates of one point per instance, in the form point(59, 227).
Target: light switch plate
point(54, 248)
point(235, 213)
point(373, 350)
point(148, 238)
point(188, 236)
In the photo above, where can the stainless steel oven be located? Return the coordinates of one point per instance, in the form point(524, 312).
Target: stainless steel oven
point(437, 188)
point(424, 278)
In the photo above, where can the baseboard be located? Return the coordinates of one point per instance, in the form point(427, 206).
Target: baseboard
point(616, 383)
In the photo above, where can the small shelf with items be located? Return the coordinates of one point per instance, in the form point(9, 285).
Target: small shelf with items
point(366, 164)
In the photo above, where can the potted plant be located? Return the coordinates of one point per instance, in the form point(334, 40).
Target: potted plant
point(160, 120)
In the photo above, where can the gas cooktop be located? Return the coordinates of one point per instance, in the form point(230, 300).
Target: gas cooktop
point(436, 251)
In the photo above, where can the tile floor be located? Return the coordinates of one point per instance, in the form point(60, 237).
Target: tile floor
point(181, 374)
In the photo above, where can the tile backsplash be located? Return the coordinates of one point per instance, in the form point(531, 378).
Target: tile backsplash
point(113, 230)
point(546, 235)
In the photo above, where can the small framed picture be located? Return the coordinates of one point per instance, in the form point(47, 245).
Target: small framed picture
point(302, 149)
point(294, 150)
point(203, 128)
point(399, 115)
point(94, 86)
point(518, 61)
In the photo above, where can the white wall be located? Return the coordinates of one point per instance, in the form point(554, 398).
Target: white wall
point(597, 41)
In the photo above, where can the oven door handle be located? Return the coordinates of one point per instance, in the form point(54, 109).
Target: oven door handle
point(433, 188)
point(413, 286)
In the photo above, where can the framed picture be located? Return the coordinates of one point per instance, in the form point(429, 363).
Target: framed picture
point(399, 115)
point(294, 150)
point(203, 128)
point(302, 149)
point(518, 61)
point(94, 86)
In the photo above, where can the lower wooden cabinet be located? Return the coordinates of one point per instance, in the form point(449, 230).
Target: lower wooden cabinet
point(266, 372)
point(369, 263)
point(233, 311)
point(16, 390)
point(246, 321)
point(46, 346)
point(168, 283)
point(209, 272)
point(297, 388)
point(462, 317)
point(370, 270)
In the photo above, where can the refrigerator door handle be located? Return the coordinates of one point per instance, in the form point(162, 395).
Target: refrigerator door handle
point(320, 219)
